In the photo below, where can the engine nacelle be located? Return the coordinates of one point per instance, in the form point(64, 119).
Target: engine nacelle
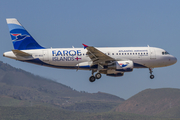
point(123, 66)
point(114, 73)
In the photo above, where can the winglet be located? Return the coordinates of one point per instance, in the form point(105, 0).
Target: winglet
point(85, 46)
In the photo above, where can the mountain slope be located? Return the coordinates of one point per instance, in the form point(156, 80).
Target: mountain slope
point(151, 101)
point(25, 89)
point(42, 98)
point(47, 113)
point(170, 113)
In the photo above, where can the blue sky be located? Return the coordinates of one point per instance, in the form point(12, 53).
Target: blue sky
point(102, 23)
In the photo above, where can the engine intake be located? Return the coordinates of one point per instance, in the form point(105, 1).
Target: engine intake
point(123, 66)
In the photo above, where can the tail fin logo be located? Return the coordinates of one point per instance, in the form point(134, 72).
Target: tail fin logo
point(19, 37)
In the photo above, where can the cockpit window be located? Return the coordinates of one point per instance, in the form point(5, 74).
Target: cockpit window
point(165, 53)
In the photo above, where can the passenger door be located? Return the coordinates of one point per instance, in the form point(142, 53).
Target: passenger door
point(45, 56)
point(152, 53)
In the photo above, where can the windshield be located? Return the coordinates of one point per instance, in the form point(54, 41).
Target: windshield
point(165, 53)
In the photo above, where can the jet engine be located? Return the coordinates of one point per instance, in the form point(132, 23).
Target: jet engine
point(122, 66)
point(114, 73)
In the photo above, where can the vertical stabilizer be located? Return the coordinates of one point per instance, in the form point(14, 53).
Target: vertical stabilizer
point(21, 39)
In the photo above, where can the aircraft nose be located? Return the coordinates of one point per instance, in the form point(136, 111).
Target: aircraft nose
point(173, 59)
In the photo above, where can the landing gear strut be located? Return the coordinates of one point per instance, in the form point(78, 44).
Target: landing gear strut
point(150, 71)
point(93, 78)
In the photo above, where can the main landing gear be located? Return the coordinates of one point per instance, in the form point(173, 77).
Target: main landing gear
point(93, 78)
point(150, 71)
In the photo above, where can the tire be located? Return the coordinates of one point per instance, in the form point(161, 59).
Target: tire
point(152, 76)
point(98, 75)
point(92, 79)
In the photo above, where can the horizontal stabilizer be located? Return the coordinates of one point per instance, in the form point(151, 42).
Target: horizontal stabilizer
point(21, 53)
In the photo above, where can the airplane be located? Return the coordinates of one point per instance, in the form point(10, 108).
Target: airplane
point(112, 61)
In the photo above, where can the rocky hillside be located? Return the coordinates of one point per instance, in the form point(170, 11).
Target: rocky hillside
point(27, 96)
point(21, 88)
point(152, 102)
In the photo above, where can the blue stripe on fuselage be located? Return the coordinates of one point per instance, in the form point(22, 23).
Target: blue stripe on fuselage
point(136, 65)
point(39, 62)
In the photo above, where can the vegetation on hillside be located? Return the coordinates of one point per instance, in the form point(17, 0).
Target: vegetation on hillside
point(24, 89)
point(24, 96)
point(47, 113)
point(151, 101)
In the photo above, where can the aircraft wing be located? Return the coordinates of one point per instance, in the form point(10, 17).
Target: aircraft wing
point(97, 56)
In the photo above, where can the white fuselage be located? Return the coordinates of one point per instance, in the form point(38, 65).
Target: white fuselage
point(76, 58)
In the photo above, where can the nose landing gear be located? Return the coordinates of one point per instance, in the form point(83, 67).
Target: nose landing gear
point(150, 71)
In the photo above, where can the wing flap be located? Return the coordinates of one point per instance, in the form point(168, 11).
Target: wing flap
point(97, 56)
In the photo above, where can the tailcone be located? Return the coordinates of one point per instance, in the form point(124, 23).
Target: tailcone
point(9, 54)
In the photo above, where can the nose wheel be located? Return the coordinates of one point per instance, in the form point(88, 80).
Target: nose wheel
point(152, 76)
point(150, 71)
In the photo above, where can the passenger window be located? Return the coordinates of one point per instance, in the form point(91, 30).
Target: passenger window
point(119, 53)
point(112, 53)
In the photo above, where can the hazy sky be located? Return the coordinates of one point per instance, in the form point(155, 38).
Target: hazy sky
point(99, 23)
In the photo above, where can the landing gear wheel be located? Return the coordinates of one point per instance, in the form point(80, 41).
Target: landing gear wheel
point(98, 75)
point(152, 76)
point(150, 71)
point(92, 79)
